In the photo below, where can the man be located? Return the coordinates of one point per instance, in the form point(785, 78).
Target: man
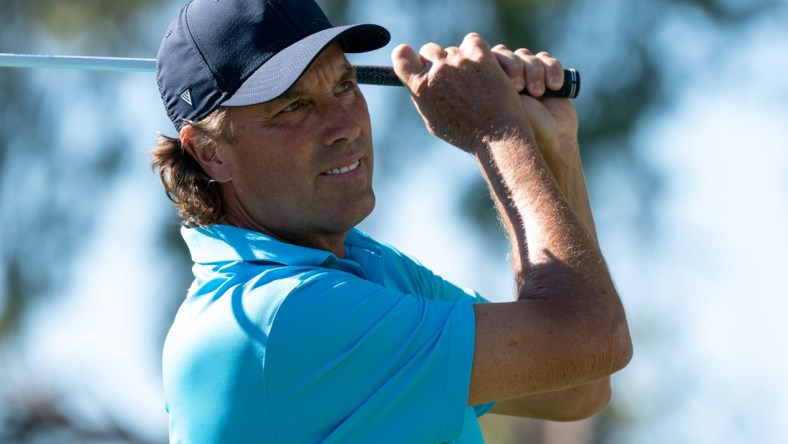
point(300, 328)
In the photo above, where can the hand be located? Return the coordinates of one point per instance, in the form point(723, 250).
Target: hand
point(554, 120)
point(541, 70)
point(463, 95)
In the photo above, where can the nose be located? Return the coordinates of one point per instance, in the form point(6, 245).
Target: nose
point(343, 121)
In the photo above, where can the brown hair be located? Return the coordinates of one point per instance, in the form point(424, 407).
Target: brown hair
point(193, 193)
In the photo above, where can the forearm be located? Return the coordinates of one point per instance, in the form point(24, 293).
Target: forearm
point(570, 404)
point(570, 178)
point(581, 401)
point(569, 300)
point(538, 213)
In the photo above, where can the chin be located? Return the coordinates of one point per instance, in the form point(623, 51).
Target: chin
point(363, 210)
point(367, 209)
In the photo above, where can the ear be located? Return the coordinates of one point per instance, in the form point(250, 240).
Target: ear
point(206, 153)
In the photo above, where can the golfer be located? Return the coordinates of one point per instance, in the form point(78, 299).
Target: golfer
point(298, 327)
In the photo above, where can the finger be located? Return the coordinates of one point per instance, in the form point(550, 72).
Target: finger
point(451, 51)
point(432, 52)
point(534, 72)
point(511, 64)
point(408, 65)
point(554, 71)
point(474, 46)
point(524, 51)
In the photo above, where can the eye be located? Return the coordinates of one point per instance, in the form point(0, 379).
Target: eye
point(347, 85)
point(292, 107)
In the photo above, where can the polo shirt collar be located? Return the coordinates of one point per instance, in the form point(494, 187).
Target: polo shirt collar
point(226, 243)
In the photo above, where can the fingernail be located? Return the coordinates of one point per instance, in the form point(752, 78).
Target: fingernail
point(519, 83)
point(536, 88)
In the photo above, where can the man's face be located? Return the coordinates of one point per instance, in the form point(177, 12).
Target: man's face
point(301, 165)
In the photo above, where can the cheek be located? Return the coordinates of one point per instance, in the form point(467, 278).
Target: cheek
point(269, 151)
point(266, 172)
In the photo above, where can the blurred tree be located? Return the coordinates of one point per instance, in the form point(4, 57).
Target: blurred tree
point(53, 182)
point(41, 211)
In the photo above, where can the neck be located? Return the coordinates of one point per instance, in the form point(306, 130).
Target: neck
point(334, 243)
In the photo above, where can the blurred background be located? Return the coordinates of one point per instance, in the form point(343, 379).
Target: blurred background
point(684, 129)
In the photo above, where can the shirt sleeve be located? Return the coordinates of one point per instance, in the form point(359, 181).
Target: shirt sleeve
point(410, 276)
point(357, 361)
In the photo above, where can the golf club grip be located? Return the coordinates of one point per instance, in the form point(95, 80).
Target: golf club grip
point(385, 76)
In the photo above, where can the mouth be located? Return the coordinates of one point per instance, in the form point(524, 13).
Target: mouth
point(343, 170)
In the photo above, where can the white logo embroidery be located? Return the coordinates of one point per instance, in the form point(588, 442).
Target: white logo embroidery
point(187, 97)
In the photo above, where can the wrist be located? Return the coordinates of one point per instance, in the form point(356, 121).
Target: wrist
point(562, 157)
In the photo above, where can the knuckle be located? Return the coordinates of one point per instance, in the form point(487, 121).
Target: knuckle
point(475, 39)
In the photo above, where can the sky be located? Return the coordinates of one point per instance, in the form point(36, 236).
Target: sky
point(706, 296)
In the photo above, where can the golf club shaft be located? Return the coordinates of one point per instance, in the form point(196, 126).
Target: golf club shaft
point(77, 62)
point(367, 74)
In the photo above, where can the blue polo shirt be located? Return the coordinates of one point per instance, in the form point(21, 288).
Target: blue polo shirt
point(278, 343)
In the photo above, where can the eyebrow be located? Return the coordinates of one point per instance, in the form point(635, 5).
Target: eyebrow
point(348, 73)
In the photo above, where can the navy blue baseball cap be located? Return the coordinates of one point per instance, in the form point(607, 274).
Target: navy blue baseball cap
point(245, 52)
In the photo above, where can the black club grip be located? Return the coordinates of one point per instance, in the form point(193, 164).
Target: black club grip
point(385, 76)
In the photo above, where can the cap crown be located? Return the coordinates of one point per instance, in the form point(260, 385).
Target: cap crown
point(214, 46)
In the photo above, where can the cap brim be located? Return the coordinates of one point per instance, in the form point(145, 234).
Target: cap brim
point(284, 69)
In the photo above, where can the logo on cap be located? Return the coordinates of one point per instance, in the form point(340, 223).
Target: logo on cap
point(187, 97)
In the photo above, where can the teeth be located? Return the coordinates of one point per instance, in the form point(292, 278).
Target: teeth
point(345, 169)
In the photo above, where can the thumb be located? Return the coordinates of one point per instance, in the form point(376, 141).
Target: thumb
point(407, 65)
